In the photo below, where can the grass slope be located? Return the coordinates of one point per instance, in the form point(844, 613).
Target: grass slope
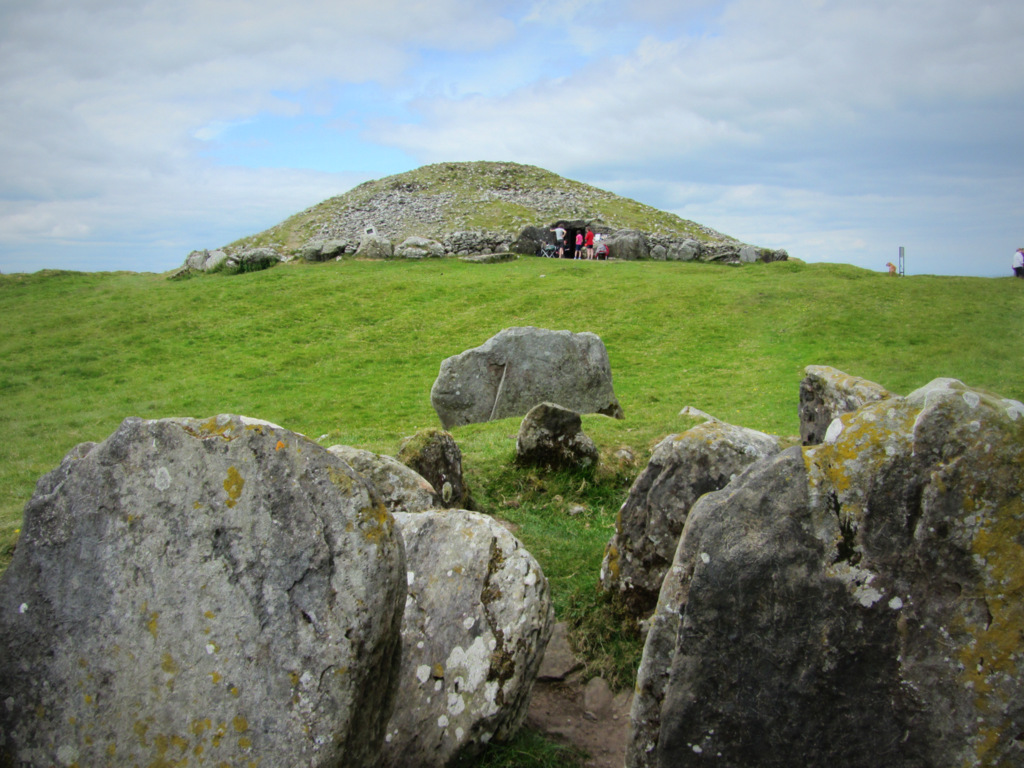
point(346, 352)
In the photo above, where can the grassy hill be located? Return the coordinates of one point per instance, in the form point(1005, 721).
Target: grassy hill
point(447, 197)
point(346, 352)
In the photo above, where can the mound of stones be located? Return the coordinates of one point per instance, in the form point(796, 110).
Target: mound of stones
point(227, 591)
point(858, 602)
point(520, 368)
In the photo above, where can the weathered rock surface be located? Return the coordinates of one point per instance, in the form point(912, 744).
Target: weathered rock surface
point(478, 617)
point(552, 436)
point(858, 603)
point(489, 258)
point(401, 488)
point(827, 393)
point(682, 469)
point(629, 245)
point(419, 248)
point(251, 260)
point(522, 367)
point(205, 261)
point(222, 588)
point(375, 247)
point(435, 456)
point(325, 250)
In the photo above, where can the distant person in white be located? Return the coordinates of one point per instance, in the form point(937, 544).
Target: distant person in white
point(1018, 263)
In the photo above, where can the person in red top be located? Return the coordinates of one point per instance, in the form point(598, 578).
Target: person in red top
point(590, 244)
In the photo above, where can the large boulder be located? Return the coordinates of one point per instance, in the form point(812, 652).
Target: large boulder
point(251, 260)
point(436, 457)
point(205, 261)
point(375, 247)
point(552, 436)
point(223, 589)
point(419, 248)
point(628, 245)
point(827, 393)
point(522, 367)
point(402, 489)
point(858, 603)
point(682, 468)
point(325, 250)
point(477, 620)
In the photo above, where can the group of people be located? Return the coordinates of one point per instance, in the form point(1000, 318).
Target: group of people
point(587, 246)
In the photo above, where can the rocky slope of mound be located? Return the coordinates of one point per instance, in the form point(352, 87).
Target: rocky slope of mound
point(435, 201)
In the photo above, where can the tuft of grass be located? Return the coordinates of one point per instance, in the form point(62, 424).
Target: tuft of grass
point(527, 749)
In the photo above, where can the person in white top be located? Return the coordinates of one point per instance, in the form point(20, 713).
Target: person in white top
point(1018, 263)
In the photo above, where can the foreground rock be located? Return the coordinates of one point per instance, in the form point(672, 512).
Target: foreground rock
point(402, 489)
point(551, 436)
point(477, 620)
point(682, 469)
point(435, 456)
point(827, 393)
point(223, 589)
point(860, 603)
point(522, 367)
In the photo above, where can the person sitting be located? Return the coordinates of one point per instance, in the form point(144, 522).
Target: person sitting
point(602, 250)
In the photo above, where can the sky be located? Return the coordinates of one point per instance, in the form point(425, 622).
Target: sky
point(133, 132)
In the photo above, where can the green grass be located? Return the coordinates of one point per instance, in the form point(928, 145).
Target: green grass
point(349, 350)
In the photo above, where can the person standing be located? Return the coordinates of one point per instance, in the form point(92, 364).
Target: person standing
point(1018, 263)
point(579, 244)
point(559, 231)
point(589, 243)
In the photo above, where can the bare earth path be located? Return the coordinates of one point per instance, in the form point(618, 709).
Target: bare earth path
point(589, 718)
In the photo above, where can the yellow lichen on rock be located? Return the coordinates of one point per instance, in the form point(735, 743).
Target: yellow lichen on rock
point(233, 486)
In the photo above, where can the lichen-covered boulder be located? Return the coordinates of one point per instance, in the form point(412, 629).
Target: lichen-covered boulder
point(827, 393)
point(222, 589)
point(436, 457)
point(522, 367)
point(856, 603)
point(682, 469)
point(552, 436)
point(477, 619)
point(401, 488)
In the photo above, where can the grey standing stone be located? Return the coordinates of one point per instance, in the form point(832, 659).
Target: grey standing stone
point(682, 469)
point(375, 247)
point(628, 245)
point(221, 588)
point(827, 393)
point(522, 367)
point(552, 436)
point(478, 617)
point(435, 456)
point(854, 604)
point(401, 488)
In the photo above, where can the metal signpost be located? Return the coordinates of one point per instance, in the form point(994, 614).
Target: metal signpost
point(901, 267)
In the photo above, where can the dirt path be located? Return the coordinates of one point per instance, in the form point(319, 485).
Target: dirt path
point(558, 710)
